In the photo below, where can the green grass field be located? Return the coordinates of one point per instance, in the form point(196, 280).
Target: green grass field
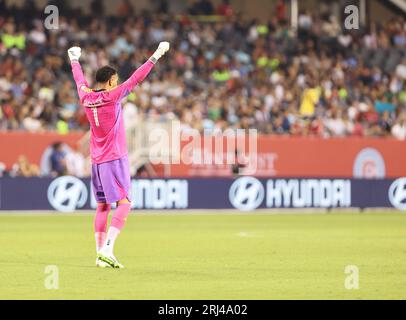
point(224, 256)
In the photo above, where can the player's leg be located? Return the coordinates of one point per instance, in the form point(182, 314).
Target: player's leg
point(100, 227)
point(103, 208)
point(100, 224)
point(117, 224)
point(115, 177)
point(102, 213)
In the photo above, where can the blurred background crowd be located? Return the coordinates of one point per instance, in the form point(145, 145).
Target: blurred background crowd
point(233, 72)
point(225, 71)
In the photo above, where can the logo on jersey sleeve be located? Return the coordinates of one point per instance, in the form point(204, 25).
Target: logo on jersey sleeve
point(86, 89)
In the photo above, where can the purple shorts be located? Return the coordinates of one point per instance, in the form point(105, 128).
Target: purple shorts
point(111, 180)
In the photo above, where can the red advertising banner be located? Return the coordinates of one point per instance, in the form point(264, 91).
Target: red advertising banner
point(270, 156)
point(314, 157)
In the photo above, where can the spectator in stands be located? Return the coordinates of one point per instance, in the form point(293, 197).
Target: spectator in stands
point(225, 9)
point(22, 168)
point(125, 9)
point(202, 7)
point(399, 129)
point(75, 163)
point(2, 169)
point(58, 160)
point(97, 8)
point(401, 70)
point(311, 97)
point(13, 38)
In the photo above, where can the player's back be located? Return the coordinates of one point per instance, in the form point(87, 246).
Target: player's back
point(103, 110)
point(104, 113)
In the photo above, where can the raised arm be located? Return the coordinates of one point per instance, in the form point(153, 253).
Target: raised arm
point(137, 77)
point(141, 73)
point(81, 83)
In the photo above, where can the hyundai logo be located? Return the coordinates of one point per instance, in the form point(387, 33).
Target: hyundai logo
point(397, 194)
point(67, 194)
point(246, 193)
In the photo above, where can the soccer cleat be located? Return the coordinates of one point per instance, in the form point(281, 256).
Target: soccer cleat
point(110, 260)
point(102, 264)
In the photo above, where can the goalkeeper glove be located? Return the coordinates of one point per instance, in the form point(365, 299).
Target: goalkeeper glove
point(162, 49)
point(74, 53)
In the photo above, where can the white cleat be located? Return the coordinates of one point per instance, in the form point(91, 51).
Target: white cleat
point(102, 264)
point(109, 260)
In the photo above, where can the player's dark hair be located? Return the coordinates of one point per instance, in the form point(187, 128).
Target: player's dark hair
point(57, 145)
point(104, 74)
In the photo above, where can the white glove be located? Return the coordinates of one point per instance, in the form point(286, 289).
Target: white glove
point(162, 49)
point(74, 53)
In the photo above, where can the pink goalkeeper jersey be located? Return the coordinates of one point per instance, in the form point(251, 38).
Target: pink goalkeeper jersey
point(104, 112)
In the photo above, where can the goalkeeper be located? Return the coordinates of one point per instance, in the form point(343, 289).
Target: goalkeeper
point(110, 167)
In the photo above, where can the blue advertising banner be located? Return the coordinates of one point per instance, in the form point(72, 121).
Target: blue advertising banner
point(67, 194)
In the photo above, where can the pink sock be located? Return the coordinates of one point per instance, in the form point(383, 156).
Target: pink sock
point(120, 216)
point(100, 224)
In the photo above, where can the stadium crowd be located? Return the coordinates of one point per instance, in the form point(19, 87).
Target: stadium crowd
point(224, 72)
